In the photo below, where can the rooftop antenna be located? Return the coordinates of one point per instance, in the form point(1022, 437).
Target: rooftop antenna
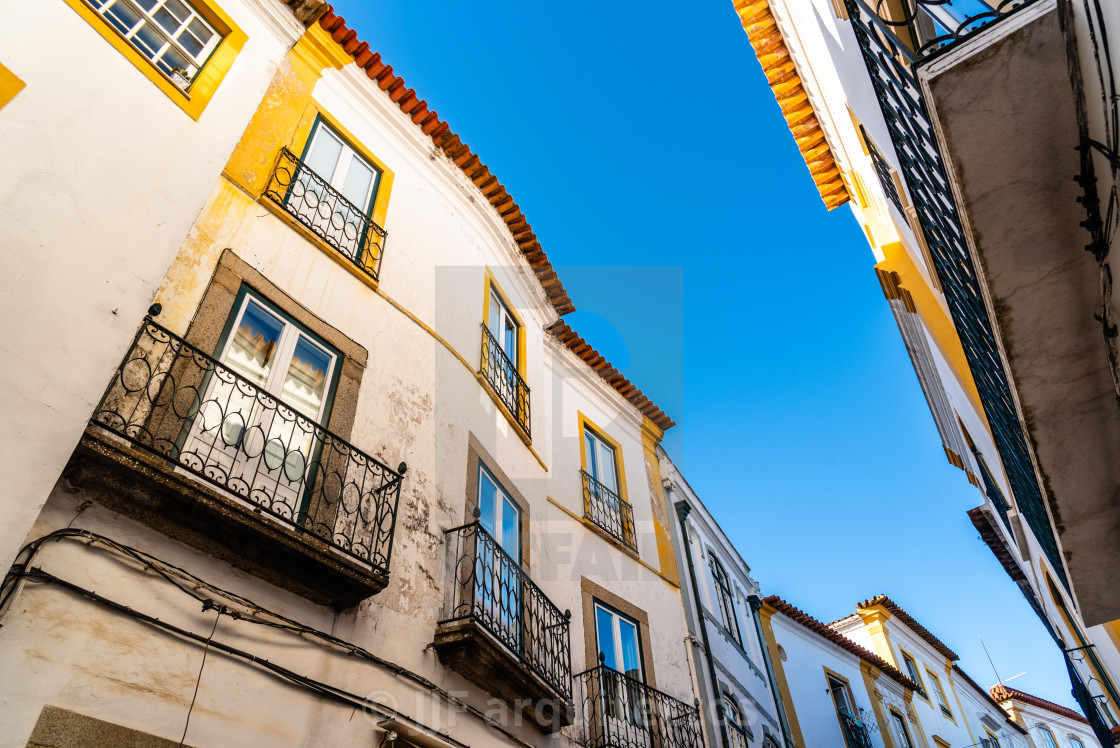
point(1008, 680)
point(998, 679)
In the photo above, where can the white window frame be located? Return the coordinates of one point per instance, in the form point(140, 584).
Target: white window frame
point(594, 446)
point(147, 21)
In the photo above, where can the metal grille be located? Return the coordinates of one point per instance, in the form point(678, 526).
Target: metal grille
point(890, 53)
point(490, 588)
point(1089, 705)
point(608, 511)
point(179, 403)
point(622, 712)
point(321, 209)
point(505, 379)
point(883, 171)
point(855, 732)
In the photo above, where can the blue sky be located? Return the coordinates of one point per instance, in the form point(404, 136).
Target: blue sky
point(646, 150)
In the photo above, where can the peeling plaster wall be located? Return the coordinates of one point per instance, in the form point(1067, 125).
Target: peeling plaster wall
point(418, 402)
point(103, 176)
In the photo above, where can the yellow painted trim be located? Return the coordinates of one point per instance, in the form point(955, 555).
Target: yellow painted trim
point(936, 318)
point(492, 282)
point(612, 541)
point(941, 742)
point(875, 619)
point(317, 50)
point(384, 183)
point(847, 684)
point(765, 614)
point(659, 504)
point(10, 85)
point(908, 696)
point(202, 89)
point(917, 670)
point(870, 676)
point(936, 682)
point(586, 423)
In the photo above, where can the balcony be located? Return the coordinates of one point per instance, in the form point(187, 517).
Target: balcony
point(622, 712)
point(984, 130)
point(608, 511)
point(855, 732)
point(314, 204)
point(207, 457)
point(505, 380)
point(501, 632)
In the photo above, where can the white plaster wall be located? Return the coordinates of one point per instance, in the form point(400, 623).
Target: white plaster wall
point(1061, 726)
point(807, 655)
point(103, 176)
point(417, 404)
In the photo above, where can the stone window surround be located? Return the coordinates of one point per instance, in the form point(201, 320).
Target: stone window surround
point(217, 304)
point(591, 592)
point(476, 455)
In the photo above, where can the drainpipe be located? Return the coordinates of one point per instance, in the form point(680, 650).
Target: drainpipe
point(683, 510)
point(756, 603)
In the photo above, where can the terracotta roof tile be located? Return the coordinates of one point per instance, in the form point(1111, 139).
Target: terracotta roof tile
point(906, 618)
point(839, 640)
point(1003, 693)
point(986, 526)
point(770, 48)
point(442, 136)
point(603, 368)
point(987, 697)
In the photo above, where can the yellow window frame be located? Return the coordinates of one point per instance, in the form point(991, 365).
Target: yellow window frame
point(10, 85)
point(205, 85)
point(491, 283)
point(301, 140)
point(944, 698)
point(917, 671)
point(586, 424)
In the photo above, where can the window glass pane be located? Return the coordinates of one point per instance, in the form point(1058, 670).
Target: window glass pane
point(1048, 738)
point(305, 385)
point(604, 631)
point(190, 43)
point(510, 537)
point(487, 491)
point(200, 31)
point(840, 697)
point(145, 4)
point(122, 16)
point(631, 662)
point(148, 41)
point(253, 349)
point(172, 59)
point(171, 15)
point(591, 454)
point(325, 150)
point(901, 731)
point(609, 474)
point(359, 180)
point(495, 320)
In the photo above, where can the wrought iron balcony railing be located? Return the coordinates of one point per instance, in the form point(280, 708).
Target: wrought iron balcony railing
point(855, 732)
point(175, 401)
point(623, 712)
point(608, 511)
point(892, 49)
point(321, 209)
point(489, 587)
point(923, 28)
point(505, 379)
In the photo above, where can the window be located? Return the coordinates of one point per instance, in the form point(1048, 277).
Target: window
point(262, 447)
point(855, 734)
point(1076, 742)
point(898, 725)
point(170, 33)
point(1047, 737)
point(940, 693)
point(331, 192)
point(726, 598)
point(603, 486)
point(912, 672)
point(498, 562)
point(736, 732)
point(623, 686)
point(503, 346)
point(990, 740)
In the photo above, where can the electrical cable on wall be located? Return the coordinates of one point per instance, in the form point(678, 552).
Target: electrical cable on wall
point(204, 591)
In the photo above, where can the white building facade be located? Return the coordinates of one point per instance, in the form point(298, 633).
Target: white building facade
point(734, 677)
point(353, 480)
point(979, 238)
